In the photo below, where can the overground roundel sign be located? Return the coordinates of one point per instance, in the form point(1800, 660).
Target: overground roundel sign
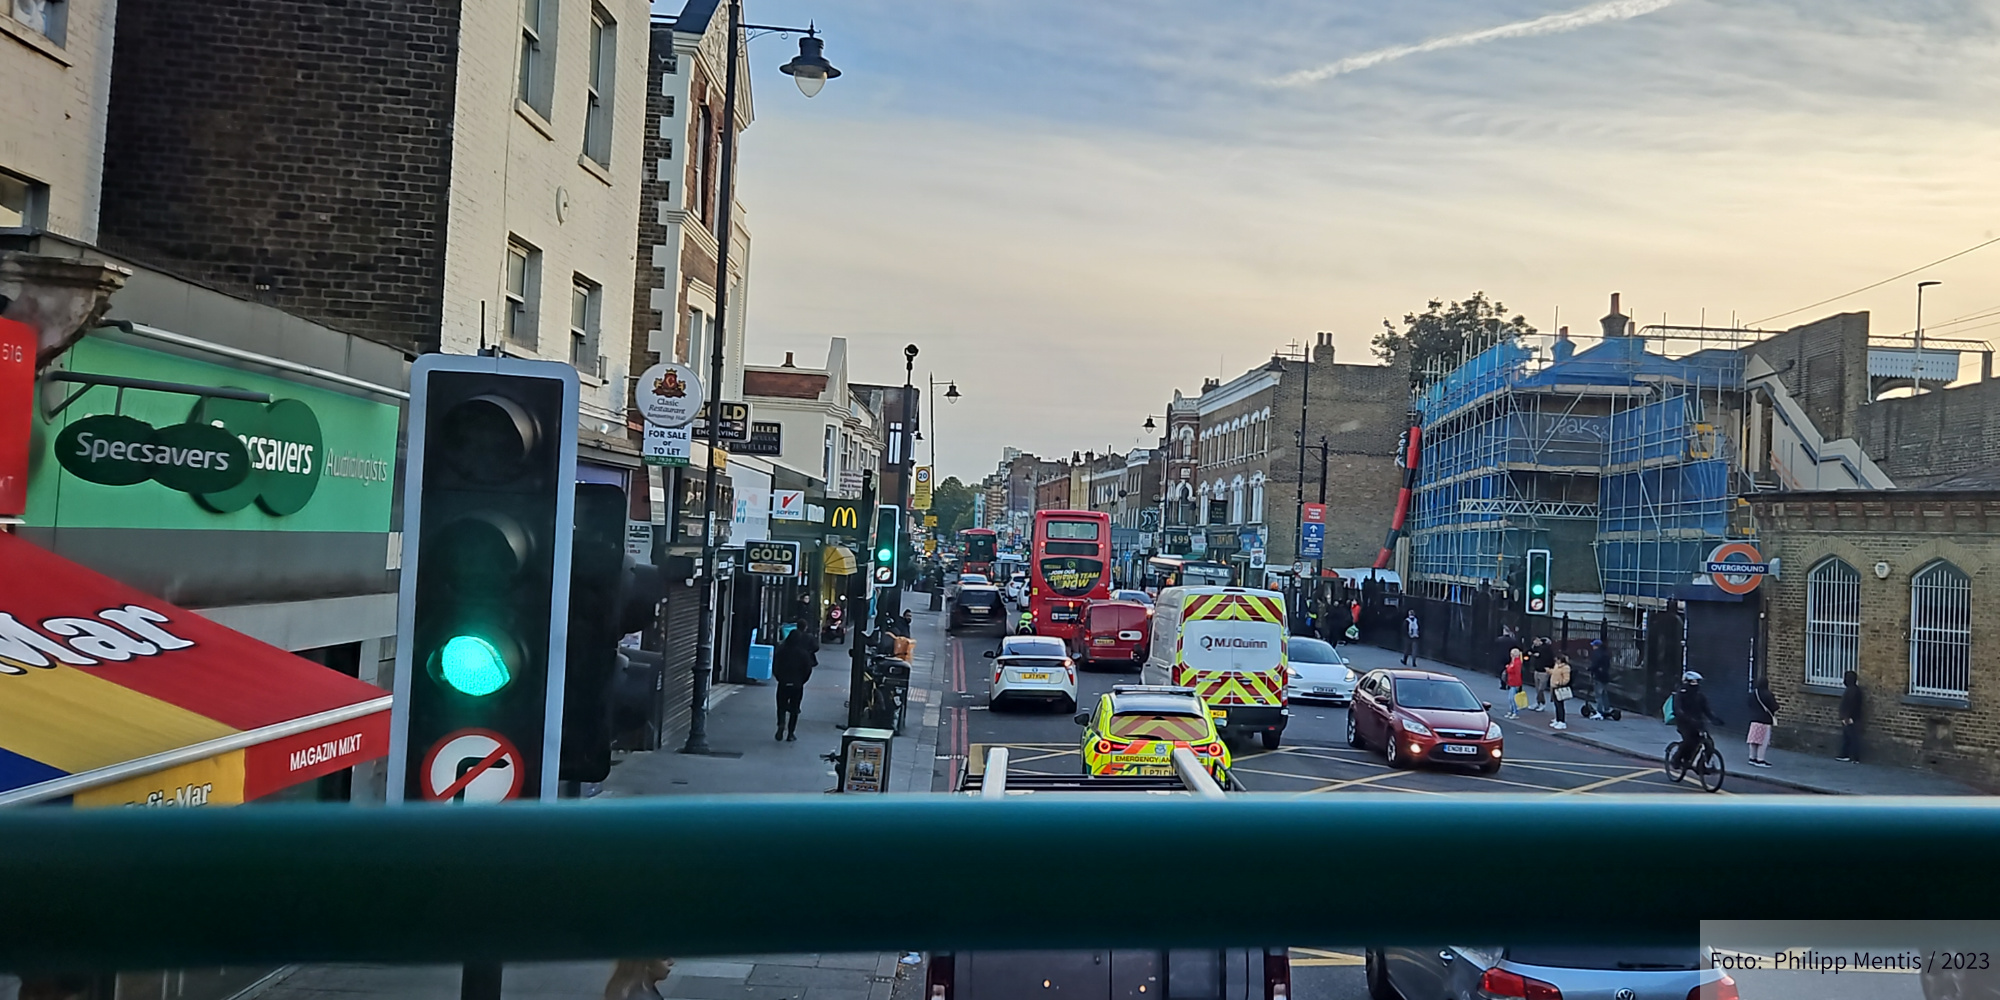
point(1728, 584)
point(471, 766)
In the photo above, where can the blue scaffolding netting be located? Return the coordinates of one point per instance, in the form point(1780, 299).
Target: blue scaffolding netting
point(1618, 442)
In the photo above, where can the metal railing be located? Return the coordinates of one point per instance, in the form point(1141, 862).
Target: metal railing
point(160, 888)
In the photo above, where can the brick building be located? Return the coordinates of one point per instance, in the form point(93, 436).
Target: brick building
point(1247, 475)
point(1889, 584)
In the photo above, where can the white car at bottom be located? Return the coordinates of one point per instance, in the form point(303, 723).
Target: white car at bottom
point(1032, 668)
point(1315, 671)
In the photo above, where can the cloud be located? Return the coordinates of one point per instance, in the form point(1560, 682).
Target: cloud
point(1583, 17)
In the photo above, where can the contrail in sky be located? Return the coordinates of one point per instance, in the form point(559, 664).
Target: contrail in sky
point(1582, 17)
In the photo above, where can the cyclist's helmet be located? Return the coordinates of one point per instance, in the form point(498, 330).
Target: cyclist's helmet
point(1691, 678)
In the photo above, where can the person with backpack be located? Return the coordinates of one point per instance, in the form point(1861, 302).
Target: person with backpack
point(1691, 715)
point(792, 667)
point(1763, 712)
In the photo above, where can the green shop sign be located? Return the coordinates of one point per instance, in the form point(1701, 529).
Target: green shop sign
point(114, 450)
point(310, 460)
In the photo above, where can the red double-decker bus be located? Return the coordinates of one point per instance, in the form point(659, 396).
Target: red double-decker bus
point(1069, 566)
point(976, 547)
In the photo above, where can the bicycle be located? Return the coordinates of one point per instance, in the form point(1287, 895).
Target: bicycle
point(1706, 764)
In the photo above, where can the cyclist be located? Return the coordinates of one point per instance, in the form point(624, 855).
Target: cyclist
point(1027, 623)
point(1691, 716)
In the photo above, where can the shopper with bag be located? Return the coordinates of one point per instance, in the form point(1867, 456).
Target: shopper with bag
point(1511, 680)
point(1559, 690)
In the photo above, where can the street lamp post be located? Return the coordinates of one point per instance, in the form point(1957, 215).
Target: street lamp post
point(1917, 359)
point(811, 71)
point(1166, 452)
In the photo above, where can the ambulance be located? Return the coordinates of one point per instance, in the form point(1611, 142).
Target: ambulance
point(1228, 643)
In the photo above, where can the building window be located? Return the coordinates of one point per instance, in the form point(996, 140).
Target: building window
point(524, 279)
point(1257, 504)
point(700, 191)
point(45, 17)
point(1833, 622)
point(1941, 631)
point(23, 203)
point(697, 325)
point(1236, 502)
point(598, 88)
point(826, 462)
point(586, 305)
point(538, 54)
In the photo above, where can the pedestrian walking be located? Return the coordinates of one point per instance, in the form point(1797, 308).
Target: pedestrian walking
point(1559, 691)
point(1600, 677)
point(1763, 712)
point(1354, 619)
point(1510, 679)
point(1410, 639)
point(1850, 718)
point(792, 667)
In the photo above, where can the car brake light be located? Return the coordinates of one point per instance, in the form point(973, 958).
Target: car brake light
point(1501, 983)
point(1721, 989)
point(1277, 977)
point(1112, 746)
point(940, 977)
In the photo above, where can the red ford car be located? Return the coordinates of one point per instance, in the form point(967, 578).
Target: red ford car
point(1114, 635)
point(1421, 715)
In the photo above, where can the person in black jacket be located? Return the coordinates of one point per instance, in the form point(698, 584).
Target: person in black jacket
point(1600, 676)
point(1850, 718)
point(792, 667)
point(1763, 712)
point(1691, 716)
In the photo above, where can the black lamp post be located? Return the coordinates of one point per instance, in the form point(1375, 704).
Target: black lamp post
point(811, 70)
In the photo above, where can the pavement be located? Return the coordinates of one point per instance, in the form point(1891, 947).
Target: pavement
point(1646, 738)
point(746, 760)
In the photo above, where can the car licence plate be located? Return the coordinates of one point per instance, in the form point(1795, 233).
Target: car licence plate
point(1103, 642)
point(1455, 748)
point(1218, 715)
point(1033, 677)
point(977, 611)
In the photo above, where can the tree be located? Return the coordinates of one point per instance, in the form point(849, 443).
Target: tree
point(1430, 343)
point(952, 502)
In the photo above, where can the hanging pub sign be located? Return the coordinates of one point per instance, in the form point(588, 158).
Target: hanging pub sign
point(113, 450)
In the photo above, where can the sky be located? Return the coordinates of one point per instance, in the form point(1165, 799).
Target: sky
point(1075, 208)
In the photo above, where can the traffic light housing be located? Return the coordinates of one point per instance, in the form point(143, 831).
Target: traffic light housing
point(598, 578)
point(489, 495)
point(888, 547)
point(1539, 596)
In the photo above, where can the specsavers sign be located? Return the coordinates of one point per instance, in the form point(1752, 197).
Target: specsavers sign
point(309, 460)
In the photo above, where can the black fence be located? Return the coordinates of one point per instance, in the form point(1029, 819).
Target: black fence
point(1646, 662)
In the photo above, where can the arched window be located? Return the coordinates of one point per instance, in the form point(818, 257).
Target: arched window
point(1833, 622)
point(1941, 631)
point(1257, 503)
point(1236, 501)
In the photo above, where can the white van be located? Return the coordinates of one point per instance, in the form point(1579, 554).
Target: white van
point(1228, 643)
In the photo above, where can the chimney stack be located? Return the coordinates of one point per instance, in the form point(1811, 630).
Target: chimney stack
point(1614, 322)
point(1564, 347)
point(1323, 349)
point(788, 361)
point(1210, 383)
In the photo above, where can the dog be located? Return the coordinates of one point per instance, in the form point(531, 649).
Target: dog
point(640, 976)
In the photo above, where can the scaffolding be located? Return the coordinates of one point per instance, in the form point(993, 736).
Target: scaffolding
point(1623, 446)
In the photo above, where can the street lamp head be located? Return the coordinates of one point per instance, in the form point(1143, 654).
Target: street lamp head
point(1927, 284)
point(951, 392)
point(1150, 425)
point(910, 352)
point(809, 69)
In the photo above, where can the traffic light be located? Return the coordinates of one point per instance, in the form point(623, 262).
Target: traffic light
point(1538, 581)
point(489, 491)
point(599, 576)
point(888, 543)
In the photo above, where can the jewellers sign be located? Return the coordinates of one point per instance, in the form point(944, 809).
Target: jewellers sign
point(772, 558)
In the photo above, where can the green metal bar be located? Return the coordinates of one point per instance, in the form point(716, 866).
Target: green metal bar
point(175, 888)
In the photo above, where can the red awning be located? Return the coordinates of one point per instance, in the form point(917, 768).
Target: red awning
point(112, 696)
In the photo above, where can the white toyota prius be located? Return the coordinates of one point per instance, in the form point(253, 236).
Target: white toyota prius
point(1032, 668)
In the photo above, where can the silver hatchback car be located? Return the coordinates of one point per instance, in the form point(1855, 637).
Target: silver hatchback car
point(1544, 972)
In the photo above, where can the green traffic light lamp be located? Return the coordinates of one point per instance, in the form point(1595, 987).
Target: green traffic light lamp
point(473, 665)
